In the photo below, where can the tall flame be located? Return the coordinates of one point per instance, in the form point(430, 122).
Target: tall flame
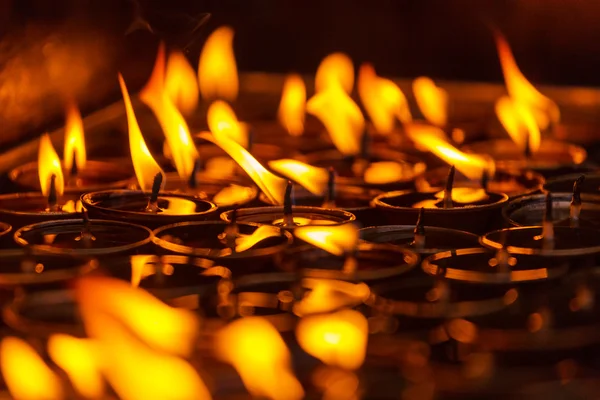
point(74, 138)
point(335, 70)
point(519, 122)
point(292, 106)
point(49, 165)
point(181, 83)
point(337, 240)
point(383, 100)
point(222, 121)
point(144, 165)
point(432, 100)
point(260, 356)
point(26, 374)
point(217, 70)
point(313, 179)
point(183, 149)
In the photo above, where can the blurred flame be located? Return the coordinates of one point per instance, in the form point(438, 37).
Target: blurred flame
point(336, 70)
point(26, 374)
point(232, 194)
point(337, 240)
point(383, 100)
point(72, 206)
point(519, 122)
point(341, 116)
point(272, 186)
point(78, 358)
point(465, 195)
point(217, 70)
point(74, 139)
point(142, 265)
point(293, 105)
point(521, 90)
point(177, 133)
point(432, 100)
point(144, 165)
point(160, 326)
point(181, 85)
point(430, 137)
point(313, 179)
point(48, 165)
point(382, 172)
point(338, 339)
point(222, 121)
point(328, 295)
point(263, 232)
point(258, 353)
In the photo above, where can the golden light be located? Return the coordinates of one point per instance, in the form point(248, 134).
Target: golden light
point(432, 100)
point(72, 206)
point(341, 116)
point(327, 295)
point(313, 179)
point(231, 195)
point(522, 91)
point(382, 172)
point(183, 150)
point(292, 107)
point(144, 165)
point(25, 373)
point(465, 195)
point(79, 359)
point(258, 353)
point(519, 123)
point(222, 121)
point(336, 70)
point(142, 266)
point(383, 100)
point(74, 139)
point(263, 232)
point(217, 70)
point(48, 166)
point(338, 339)
point(160, 326)
point(181, 84)
point(337, 240)
point(271, 185)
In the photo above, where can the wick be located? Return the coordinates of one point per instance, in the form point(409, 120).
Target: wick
point(527, 150)
point(448, 189)
point(86, 236)
point(232, 230)
point(576, 204)
point(485, 180)
point(288, 202)
point(419, 231)
point(547, 225)
point(361, 163)
point(74, 167)
point(153, 202)
point(250, 140)
point(53, 195)
point(330, 195)
point(193, 182)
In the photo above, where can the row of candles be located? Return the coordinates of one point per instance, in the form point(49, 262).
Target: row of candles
point(243, 201)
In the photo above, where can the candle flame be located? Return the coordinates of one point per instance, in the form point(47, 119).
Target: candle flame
point(338, 339)
point(222, 121)
point(382, 172)
point(49, 165)
point(465, 195)
point(337, 240)
point(313, 179)
point(263, 232)
point(258, 353)
point(217, 70)
point(144, 165)
point(432, 100)
point(292, 106)
point(383, 100)
point(142, 265)
point(26, 374)
point(519, 122)
point(327, 295)
point(336, 70)
point(232, 194)
point(181, 85)
point(74, 139)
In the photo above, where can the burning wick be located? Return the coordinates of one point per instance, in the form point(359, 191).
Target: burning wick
point(288, 202)
point(193, 182)
point(330, 195)
point(576, 205)
point(527, 150)
point(447, 202)
point(419, 232)
point(362, 160)
point(547, 225)
point(485, 180)
point(74, 167)
point(53, 195)
point(153, 202)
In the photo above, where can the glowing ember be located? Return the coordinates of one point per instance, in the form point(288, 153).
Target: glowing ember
point(328, 295)
point(222, 121)
point(263, 232)
point(217, 70)
point(48, 166)
point(432, 101)
point(181, 85)
point(336, 70)
point(74, 139)
point(337, 240)
point(292, 107)
point(313, 179)
point(520, 123)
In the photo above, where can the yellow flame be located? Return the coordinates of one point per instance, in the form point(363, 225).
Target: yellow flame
point(271, 185)
point(177, 133)
point(26, 374)
point(48, 165)
point(335, 70)
point(293, 105)
point(72, 206)
point(78, 358)
point(465, 195)
point(160, 326)
point(261, 358)
point(432, 100)
point(521, 90)
point(232, 194)
point(313, 179)
point(142, 265)
point(181, 85)
point(383, 100)
point(328, 295)
point(430, 137)
point(519, 122)
point(263, 232)
point(338, 339)
point(337, 240)
point(222, 121)
point(341, 116)
point(74, 139)
point(382, 172)
point(144, 165)
point(217, 70)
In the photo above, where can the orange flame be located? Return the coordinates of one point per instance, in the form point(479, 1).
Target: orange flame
point(383, 100)
point(74, 139)
point(519, 122)
point(222, 121)
point(293, 105)
point(382, 172)
point(335, 70)
point(142, 265)
point(337, 240)
point(465, 195)
point(217, 70)
point(260, 356)
point(181, 85)
point(432, 100)
point(49, 165)
point(26, 374)
point(328, 295)
point(313, 179)
point(338, 339)
point(144, 165)
point(263, 232)
point(231, 195)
